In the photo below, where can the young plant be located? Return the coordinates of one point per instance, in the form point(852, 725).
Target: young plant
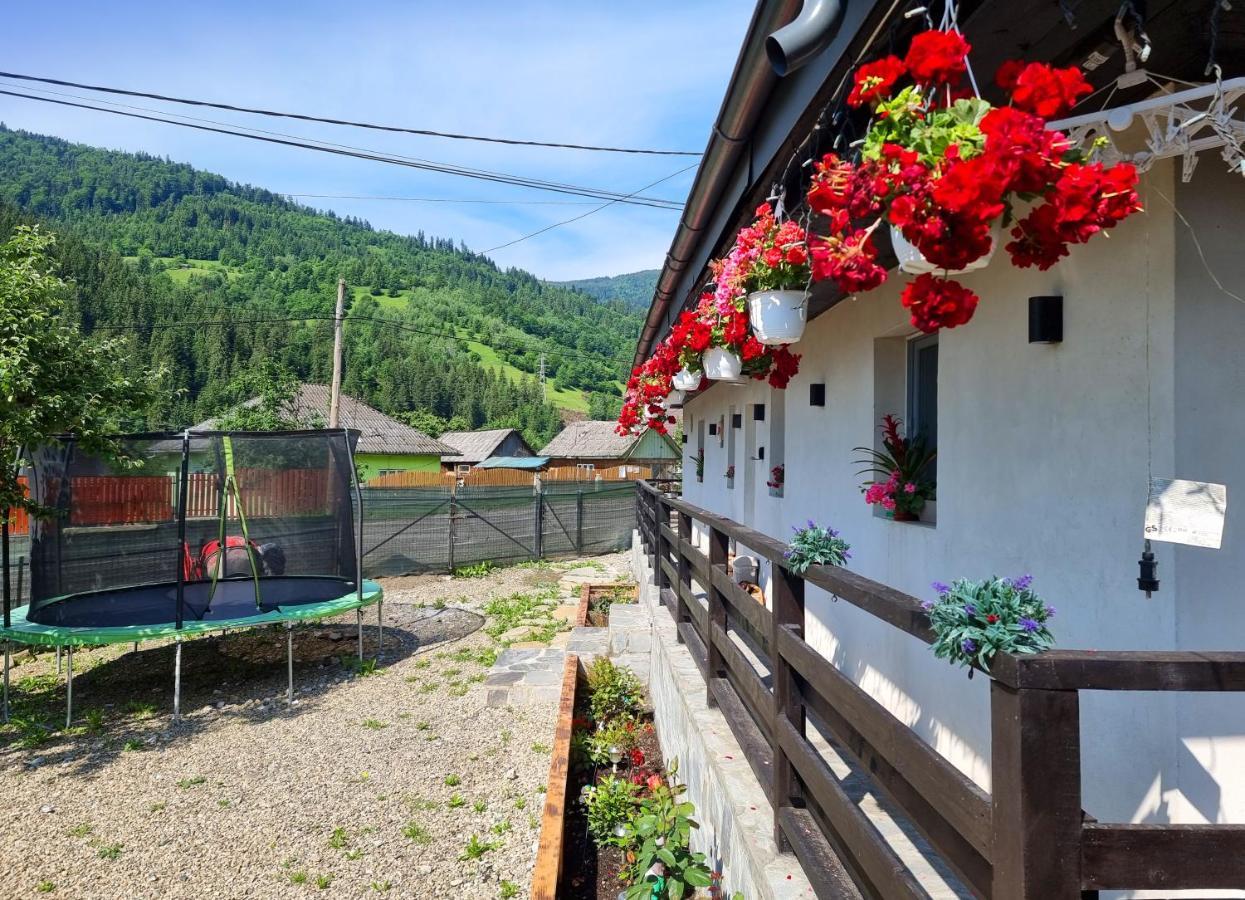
point(662, 828)
point(974, 620)
point(816, 544)
point(476, 848)
point(614, 690)
point(618, 735)
point(610, 806)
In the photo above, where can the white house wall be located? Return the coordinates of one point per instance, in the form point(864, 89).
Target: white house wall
point(1044, 456)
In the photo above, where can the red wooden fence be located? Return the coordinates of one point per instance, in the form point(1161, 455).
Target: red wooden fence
point(19, 523)
point(120, 500)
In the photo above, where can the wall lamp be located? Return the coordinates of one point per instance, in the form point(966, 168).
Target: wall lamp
point(1045, 320)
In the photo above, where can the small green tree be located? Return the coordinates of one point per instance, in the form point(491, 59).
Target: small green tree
point(262, 398)
point(53, 380)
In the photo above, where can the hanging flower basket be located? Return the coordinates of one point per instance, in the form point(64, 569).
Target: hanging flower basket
point(913, 262)
point(778, 317)
point(686, 380)
point(675, 400)
point(722, 364)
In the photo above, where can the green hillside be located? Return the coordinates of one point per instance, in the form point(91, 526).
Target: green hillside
point(151, 242)
point(634, 290)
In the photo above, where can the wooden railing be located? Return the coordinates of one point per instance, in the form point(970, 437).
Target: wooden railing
point(1028, 839)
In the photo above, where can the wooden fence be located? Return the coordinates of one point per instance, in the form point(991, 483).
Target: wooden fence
point(510, 477)
point(1028, 839)
point(19, 522)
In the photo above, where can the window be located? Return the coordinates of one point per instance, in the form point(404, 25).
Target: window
point(389, 472)
point(462, 469)
point(584, 469)
point(923, 393)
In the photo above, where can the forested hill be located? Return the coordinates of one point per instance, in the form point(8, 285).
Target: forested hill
point(635, 289)
point(151, 243)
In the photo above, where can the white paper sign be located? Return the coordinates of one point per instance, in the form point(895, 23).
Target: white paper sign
point(1186, 512)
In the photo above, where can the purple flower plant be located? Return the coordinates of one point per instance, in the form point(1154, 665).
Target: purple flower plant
point(969, 609)
point(941, 588)
point(1028, 624)
point(927, 605)
point(1022, 583)
point(968, 645)
point(1050, 612)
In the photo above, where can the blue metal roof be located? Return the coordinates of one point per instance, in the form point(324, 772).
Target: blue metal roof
point(513, 462)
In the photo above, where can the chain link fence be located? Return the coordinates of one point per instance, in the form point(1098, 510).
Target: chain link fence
point(413, 530)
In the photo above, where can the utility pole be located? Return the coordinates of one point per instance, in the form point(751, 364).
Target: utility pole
point(335, 391)
point(544, 394)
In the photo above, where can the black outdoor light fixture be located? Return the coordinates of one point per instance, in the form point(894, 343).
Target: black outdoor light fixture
point(816, 395)
point(760, 453)
point(713, 428)
point(758, 412)
point(1045, 320)
point(737, 420)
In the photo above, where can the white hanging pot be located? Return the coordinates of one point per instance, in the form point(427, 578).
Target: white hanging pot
point(912, 262)
point(722, 364)
point(686, 380)
point(675, 399)
point(778, 317)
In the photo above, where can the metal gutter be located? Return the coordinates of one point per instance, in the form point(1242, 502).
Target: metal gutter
point(751, 84)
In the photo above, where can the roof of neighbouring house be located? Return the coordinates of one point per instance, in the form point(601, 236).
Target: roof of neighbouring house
point(474, 446)
point(588, 439)
point(513, 462)
point(379, 433)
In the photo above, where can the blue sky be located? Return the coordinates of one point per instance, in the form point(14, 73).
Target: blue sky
point(640, 74)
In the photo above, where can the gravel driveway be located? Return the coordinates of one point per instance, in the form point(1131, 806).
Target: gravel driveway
point(399, 783)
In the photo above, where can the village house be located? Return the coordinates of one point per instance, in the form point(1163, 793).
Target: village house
point(473, 447)
point(1051, 412)
point(595, 448)
point(386, 446)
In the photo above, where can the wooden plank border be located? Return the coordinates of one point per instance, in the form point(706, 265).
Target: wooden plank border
point(547, 873)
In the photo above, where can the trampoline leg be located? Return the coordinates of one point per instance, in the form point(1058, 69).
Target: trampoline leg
point(136, 646)
point(358, 617)
point(58, 659)
point(177, 681)
point(289, 661)
point(69, 686)
point(380, 629)
point(6, 682)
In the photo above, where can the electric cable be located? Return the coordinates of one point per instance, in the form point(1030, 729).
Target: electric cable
point(425, 132)
point(376, 156)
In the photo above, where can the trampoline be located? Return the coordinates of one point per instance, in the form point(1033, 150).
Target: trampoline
point(185, 534)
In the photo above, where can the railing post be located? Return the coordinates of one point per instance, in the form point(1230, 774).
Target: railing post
point(787, 612)
point(663, 545)
point(538, 534)
point(684, 586)
point(719, 543)
point(1036, 793)
point(449, 537)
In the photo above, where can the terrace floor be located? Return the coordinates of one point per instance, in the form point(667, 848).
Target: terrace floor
point(373, 783)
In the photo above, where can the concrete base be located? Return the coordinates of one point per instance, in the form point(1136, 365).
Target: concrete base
point(736, 825)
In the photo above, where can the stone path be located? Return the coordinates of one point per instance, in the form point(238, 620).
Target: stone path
point(531, 672)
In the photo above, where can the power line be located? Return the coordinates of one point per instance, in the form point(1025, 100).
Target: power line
point(402, 326)
point(519, 240)
point(446, 200)
point(376, 156)
point(353, 124)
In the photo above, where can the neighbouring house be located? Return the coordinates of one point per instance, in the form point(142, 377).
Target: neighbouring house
point(473, 447)
point(589, 445)
point(1051, 411)
point(386, 446)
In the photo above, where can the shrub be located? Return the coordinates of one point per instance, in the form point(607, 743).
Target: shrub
point(615, 690)
point(662, 828)
point(610, 804)
point(620, 733)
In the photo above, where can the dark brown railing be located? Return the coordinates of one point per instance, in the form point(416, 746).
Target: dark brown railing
point(1027, 840)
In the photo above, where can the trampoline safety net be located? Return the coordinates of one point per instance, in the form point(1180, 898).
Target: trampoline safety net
point(208, 507)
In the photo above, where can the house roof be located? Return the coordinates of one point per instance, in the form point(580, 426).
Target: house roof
point(379, 433)
point(474, 446)
point(588, 439)
point(513, 462)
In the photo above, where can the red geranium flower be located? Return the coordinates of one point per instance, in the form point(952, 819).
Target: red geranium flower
point(637, 757)
point(937, 57)
point(936, 303)
point(874, 80)
point(1048, 92)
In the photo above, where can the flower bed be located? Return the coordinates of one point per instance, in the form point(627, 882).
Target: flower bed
point(627, 826)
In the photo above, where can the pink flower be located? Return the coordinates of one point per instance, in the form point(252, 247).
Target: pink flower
point(909, 488)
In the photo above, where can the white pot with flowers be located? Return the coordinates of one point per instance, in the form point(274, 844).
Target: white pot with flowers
point(776, 276)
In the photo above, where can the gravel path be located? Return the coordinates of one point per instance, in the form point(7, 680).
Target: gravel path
point(370, 785)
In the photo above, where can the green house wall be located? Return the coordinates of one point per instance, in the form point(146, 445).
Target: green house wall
point(371, 465)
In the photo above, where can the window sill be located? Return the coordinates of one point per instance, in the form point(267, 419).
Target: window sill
point(928, 519)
